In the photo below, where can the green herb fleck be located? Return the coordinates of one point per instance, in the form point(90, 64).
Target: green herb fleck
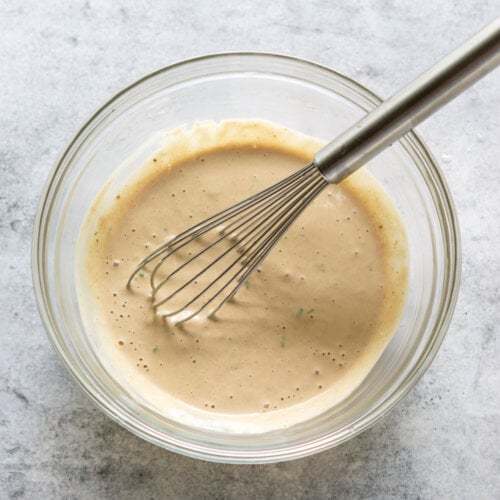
point(165, 229)
point(283, 341)
point(310, 311)
point(142, 273)
point(247, 285)
point(155, 348)
point(300, 312)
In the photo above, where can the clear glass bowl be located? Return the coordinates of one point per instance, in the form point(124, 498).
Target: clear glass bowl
point(305, 97)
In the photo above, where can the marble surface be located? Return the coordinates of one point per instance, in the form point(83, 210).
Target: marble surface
point(59, 61)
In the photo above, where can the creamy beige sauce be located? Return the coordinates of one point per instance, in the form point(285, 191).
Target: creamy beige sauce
point(304, 332)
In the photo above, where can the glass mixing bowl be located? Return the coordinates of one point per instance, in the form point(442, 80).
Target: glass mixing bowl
point(303, 96)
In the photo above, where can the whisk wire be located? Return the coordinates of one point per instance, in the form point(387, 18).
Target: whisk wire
point(259, 222)
point(228, 232)
point(264, 252)
point(249, 267)
point(203, 227)
point(253, 241)
point(252, 227)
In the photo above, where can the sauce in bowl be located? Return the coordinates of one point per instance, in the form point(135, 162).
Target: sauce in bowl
point(303, 333)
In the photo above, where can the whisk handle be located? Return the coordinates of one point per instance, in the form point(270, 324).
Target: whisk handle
point(411, 105)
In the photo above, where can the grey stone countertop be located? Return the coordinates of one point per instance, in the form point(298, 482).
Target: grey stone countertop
point(59, 61)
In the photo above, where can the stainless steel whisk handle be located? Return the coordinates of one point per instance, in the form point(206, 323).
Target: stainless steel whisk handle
point(411, 105)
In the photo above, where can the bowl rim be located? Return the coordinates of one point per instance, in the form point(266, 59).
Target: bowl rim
point(410, 142)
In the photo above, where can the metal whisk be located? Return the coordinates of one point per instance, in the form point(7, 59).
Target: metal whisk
point(203, 267)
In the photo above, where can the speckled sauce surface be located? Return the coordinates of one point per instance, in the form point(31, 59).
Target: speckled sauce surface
point(59, 62)
point(304, 331)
